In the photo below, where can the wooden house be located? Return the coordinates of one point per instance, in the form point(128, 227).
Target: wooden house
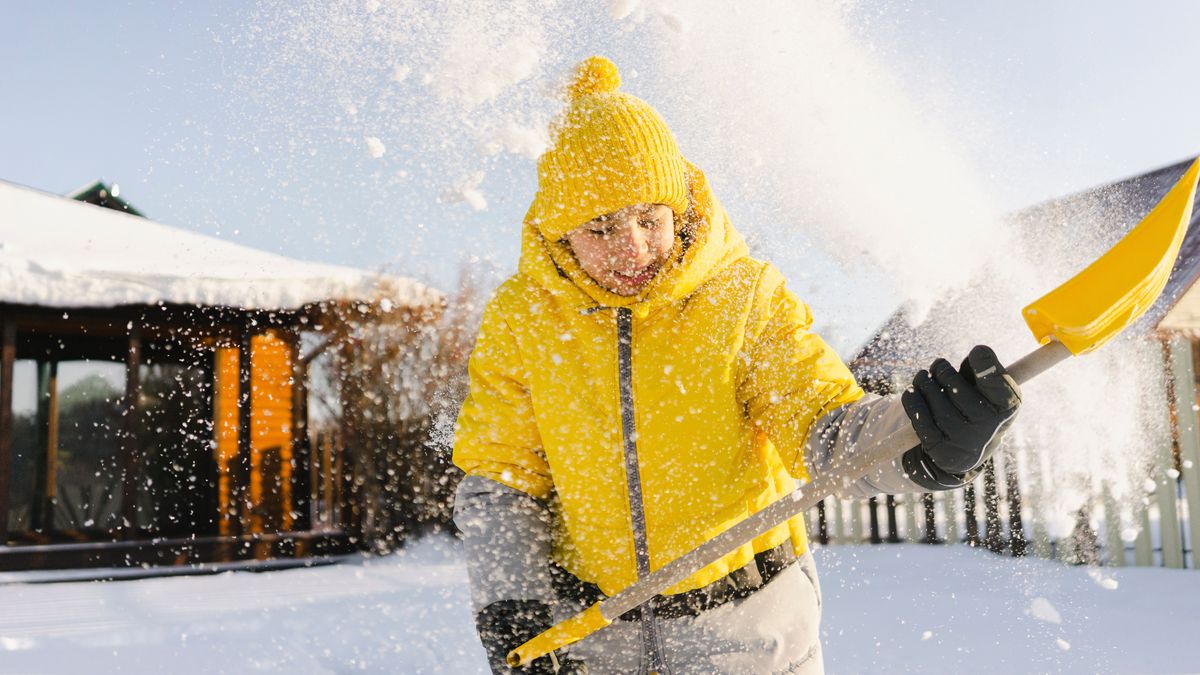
point(153, 390)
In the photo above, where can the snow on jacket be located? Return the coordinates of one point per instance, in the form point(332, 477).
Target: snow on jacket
point(656, 421)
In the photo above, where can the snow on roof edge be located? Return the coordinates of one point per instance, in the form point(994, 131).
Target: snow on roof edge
point(59, 252)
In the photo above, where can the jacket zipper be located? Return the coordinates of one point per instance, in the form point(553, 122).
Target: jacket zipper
point(651, 644)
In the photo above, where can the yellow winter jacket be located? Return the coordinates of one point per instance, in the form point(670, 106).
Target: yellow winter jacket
point(720, 381)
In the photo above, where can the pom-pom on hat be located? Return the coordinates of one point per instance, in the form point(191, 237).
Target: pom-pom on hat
point(608, 150)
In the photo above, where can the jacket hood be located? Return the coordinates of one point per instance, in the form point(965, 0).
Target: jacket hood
point(713, 244)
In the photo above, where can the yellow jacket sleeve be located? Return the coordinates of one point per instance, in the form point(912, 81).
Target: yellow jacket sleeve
point(790, 377)
point(496, 434)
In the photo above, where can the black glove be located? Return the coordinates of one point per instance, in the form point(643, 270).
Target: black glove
point(507, 624)
point(959, 417)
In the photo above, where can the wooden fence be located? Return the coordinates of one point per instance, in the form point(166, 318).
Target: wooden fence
point(996, 514)
point(1000, 514)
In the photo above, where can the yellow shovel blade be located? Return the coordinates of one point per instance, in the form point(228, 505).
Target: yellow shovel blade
point(1112, 292)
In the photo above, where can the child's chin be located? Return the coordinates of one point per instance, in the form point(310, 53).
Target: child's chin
point(625, 288)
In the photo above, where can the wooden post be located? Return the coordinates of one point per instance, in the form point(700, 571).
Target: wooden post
point(350, 494)
point(1168, 519)
point(243, 466)
point(1112, 530)
point(822, 526)
point(340, 472)
point(950, 508)
point(328, 500)
point(893, 527)
point(302, 455)
point(1180, 412)
point(972, 524)
point(894, 505)
point(45, 481)
point(893, 531)
point(856, 525)
point(130, 453)
point(839, 520)
point(1184, 371)
point(355, 513)
point(992, 538)
point(8, 355)
point(1143, 546)
point(929, 506)
point(873, 516)
point(910, 517)
point(812, 522)
point(1040, 538)
point(1016, 522)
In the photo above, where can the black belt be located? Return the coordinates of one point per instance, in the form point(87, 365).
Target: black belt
point(738, 584)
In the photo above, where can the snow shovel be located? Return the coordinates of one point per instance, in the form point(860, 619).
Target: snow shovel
point(1075, 318)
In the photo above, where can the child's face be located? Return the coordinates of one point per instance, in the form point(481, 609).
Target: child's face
point(623, 250)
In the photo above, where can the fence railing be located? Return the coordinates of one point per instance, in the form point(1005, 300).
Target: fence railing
point(1000, 514)
point(994, 513)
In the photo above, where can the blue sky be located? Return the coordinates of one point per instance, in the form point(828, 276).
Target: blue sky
point(217, 117)
point(1087, 91)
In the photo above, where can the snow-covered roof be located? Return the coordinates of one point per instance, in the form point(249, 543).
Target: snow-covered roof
point(58, 252)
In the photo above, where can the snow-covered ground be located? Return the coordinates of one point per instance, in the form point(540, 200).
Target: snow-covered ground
point(888, 609)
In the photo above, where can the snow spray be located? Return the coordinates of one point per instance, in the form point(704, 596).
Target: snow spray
point(827, 160)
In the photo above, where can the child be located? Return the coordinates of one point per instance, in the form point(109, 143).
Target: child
point(641, 385)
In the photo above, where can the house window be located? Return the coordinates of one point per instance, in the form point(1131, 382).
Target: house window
point(84, 472)
point(24, 446)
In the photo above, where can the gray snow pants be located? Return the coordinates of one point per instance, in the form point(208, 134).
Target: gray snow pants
point(774, 630)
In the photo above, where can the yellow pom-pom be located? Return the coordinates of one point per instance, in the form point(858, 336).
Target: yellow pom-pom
point(595, 75)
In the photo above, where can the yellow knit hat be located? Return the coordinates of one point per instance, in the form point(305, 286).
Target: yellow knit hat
point(608, 150)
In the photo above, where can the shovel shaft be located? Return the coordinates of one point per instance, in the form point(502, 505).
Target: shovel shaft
point(845, 472)
point(1038, 361)
point(870, 453)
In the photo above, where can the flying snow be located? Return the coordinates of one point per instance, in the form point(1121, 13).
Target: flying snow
point(375, 147)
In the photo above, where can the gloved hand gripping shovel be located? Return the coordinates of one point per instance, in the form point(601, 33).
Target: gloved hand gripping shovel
point(1075, 318)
